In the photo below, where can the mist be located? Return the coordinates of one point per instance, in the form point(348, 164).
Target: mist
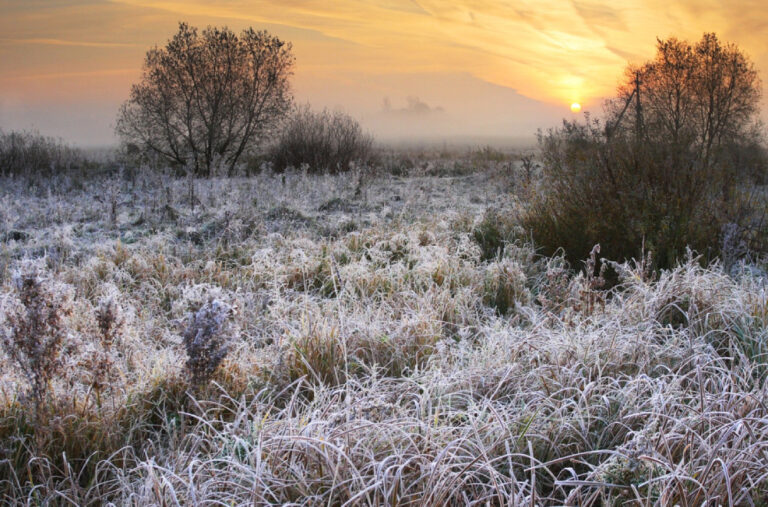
point(397, 108)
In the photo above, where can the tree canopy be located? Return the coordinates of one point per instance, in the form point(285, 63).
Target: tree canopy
point(207, 98)
point(669, 167)
point(696, 98)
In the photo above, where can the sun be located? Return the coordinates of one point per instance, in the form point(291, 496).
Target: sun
point(575, 107)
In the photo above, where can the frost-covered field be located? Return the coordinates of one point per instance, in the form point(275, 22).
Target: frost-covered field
point(378, 352)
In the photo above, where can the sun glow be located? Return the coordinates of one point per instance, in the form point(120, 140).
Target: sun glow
point(575, 107)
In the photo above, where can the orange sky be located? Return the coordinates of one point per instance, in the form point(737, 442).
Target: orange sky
point(446, 68)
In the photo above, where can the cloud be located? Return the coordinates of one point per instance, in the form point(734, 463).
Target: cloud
point(61, 42)
point(552, 51)
point(629, 56)
point(414, 107)
point(599, 16)
point(533, 47)
point(67, 75)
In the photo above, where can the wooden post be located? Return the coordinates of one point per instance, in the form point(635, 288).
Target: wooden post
point(638, 108)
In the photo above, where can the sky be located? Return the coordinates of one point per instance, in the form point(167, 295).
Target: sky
point(407, 69)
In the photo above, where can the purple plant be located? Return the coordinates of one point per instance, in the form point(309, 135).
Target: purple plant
point(206, 339)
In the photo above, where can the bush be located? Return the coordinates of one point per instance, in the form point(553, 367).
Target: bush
point(660, 181)
point(30, 153)
point(36, 332)
point(325, 141)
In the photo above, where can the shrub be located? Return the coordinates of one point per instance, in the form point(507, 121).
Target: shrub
point(36, 332)
point(30, 153)
point(206, 340)
point(492, 234)
point(666, 178)
point(324, 140)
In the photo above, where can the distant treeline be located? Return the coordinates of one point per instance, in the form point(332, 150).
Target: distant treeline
point(27, 153)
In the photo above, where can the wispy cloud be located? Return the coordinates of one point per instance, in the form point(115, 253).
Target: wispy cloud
point(529, 47)
point(65, 75)
point(62, 42)
point(552, 51)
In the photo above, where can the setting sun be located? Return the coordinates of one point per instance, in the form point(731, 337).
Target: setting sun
point(67, 66)
point(575, 107)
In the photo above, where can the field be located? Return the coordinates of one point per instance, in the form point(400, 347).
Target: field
point(392, 339)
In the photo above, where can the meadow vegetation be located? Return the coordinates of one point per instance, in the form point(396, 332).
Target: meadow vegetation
point(27, 153)
point(361, 339)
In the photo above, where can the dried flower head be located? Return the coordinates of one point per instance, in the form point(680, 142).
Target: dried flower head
point(206, 339)
point(35, 329)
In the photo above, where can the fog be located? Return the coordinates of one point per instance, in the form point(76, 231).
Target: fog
point(447, 70)
point(397, 108)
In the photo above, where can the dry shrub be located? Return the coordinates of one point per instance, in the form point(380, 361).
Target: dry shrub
point(324, 141)
point(658, 176)
point(30, 153)
point(36, 331)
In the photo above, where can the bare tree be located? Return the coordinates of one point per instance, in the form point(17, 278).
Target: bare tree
point(670, 167)
point(208, 98)
point(696, 98)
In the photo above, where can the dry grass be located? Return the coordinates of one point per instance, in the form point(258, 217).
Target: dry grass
point(375, 356)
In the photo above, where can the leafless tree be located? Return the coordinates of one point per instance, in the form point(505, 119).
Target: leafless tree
point(669, 167)
point(695, 98)
point(206, 99)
